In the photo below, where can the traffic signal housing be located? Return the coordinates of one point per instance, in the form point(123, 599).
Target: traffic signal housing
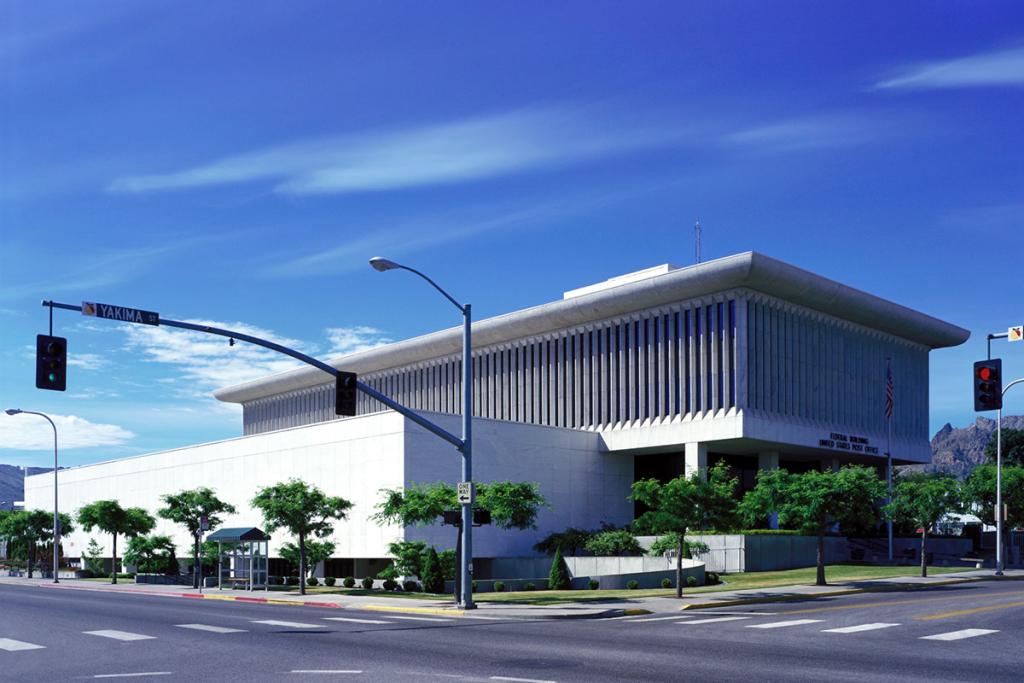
point(988, 385)
point(51, 362)
point(345, 394)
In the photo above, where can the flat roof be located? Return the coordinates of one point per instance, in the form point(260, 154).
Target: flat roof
point(749, 270)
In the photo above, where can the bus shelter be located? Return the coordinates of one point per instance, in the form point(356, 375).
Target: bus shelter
point(241, 557)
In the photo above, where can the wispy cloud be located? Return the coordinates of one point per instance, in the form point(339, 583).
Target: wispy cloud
point(988, 69)
point(345, 340)
point(805, 133)
point(87, 361)
point(451, 152)
point(18, 432)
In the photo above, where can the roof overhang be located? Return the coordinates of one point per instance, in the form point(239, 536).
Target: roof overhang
point(749, 270)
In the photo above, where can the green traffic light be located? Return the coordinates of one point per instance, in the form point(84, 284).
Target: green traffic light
point(53, 376)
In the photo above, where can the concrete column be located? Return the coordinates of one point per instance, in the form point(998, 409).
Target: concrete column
point(696, 458)
point(830, 464)
point(769, 461)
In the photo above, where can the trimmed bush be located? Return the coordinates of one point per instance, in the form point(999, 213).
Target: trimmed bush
point(368, 582)
point(499, 586)
point(390, 584)
point(411, 586)
point(632, 585)
point(712, 579)
point(293, 581)
point(329, 581)
point(558, 577)
point(594, 584)
point(433, 578)
point(530, 587)
point(349, 582)
point(312, 581)
point(691, 581)
point(666, 583)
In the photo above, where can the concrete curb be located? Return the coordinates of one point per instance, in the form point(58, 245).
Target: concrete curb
point(195, 596)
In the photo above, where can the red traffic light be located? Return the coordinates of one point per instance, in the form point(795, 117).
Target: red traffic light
point(985, 373)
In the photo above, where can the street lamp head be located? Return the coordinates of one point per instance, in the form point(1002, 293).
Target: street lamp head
point(13, 411)
point(380, 263)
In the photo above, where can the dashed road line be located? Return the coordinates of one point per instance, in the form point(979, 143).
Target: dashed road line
point(713, 620)
point(118, 635)
point(859, 628)
point(326, 671)
point(17, 645)
point(286, 624)
point(137, 674)
point(785, 624)
point(960, 635)
point(674, 616)
point(520, 680)
point(211, 629)
point(358, 621)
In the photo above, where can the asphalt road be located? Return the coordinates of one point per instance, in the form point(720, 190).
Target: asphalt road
point(970, 632)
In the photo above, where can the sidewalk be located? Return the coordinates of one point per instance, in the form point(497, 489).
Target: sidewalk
point(488, 610)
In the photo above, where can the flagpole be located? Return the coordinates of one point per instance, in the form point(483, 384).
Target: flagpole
point(888, 449)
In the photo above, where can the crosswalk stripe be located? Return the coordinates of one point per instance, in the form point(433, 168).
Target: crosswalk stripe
point(358, 621)
point(212, 629)
point(674, 616)
point(16, 645)
point(710, 621)
point(859, 628)
point(422, 618)
point(960, 635)
point(784, 624)
point(118, 635)
point(286, 624)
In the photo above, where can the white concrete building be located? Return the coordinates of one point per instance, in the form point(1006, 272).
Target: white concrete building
point(744, 358)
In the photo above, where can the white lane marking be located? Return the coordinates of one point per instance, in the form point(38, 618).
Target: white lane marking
point(711, 621)
point(674, 616)
point(118, 635)
point(521, 680)
point(784, 624)
point(358, 621)
point(286, 624)
point(16, 645)
point(326, 671)
point(859, 628)
point(212, 629)
point(423, 618)
point(960, 635)
point(134, 675)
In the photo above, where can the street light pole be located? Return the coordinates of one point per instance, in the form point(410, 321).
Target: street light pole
point(56, 519)
point(466, 564)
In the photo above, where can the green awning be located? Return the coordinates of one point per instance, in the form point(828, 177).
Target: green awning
point(238, 535)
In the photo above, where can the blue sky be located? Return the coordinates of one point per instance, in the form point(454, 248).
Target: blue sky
point(239, 162)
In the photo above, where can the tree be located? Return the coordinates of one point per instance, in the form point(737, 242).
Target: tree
point(152, 555)
point(811, 501)
point(27, 530)
point(108, 516)
point(979, 489)
point(92, 556)
point(570, 541)
point(316, 551)
point(408, 557)
point(432, 576)
point(699, 501)
point(670, 542)
point(304, 510)
point(558, 577)
point(922, 500)
point(187, 508)
point(611, 543)
point(1013, 447)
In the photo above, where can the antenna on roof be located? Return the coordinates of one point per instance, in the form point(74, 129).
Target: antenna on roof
point(696, 239)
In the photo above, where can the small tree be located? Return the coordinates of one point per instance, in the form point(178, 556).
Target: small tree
point(408, 557)
point(152, 555)
point(93, 557)
point(187, 508)
point(432, 577)
point(611, 543)
point(558, 577)
point(110, 517)
point(979, 489)
point(811, 501)
point(316, 552)
point(304, 510)
point(922, 500)
point(699, 501)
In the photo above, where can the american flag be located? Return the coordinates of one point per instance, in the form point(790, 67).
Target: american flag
point(890, 392)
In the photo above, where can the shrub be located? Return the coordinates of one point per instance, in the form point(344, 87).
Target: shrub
point(609, 543)
point(368, 582)
point(712, 579)
point(666, 583)
point(691, 581)
point(390, 584)
point(594, 584)
point(670, 543)
point(87, 573)
point(293, 581)
point(312, 581)
point(349, 582)
point(329, 581)
point(530, 586)
point(408, 558)
point(558, 577)
point(499, 586)
point(433, 578)
point(411, 586)
point(632, 585)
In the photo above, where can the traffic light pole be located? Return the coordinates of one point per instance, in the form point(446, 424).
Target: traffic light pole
point(998, 335)
point(999, 481)
point(298, 355)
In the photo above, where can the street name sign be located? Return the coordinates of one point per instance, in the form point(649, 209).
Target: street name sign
point(122, 313)
point(1015, 333)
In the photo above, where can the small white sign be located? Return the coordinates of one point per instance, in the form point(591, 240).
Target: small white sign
point(204, 523)
point(467, 492)
point(1015, 333)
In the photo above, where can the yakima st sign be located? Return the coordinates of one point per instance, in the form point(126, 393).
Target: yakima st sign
point(128, 315)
